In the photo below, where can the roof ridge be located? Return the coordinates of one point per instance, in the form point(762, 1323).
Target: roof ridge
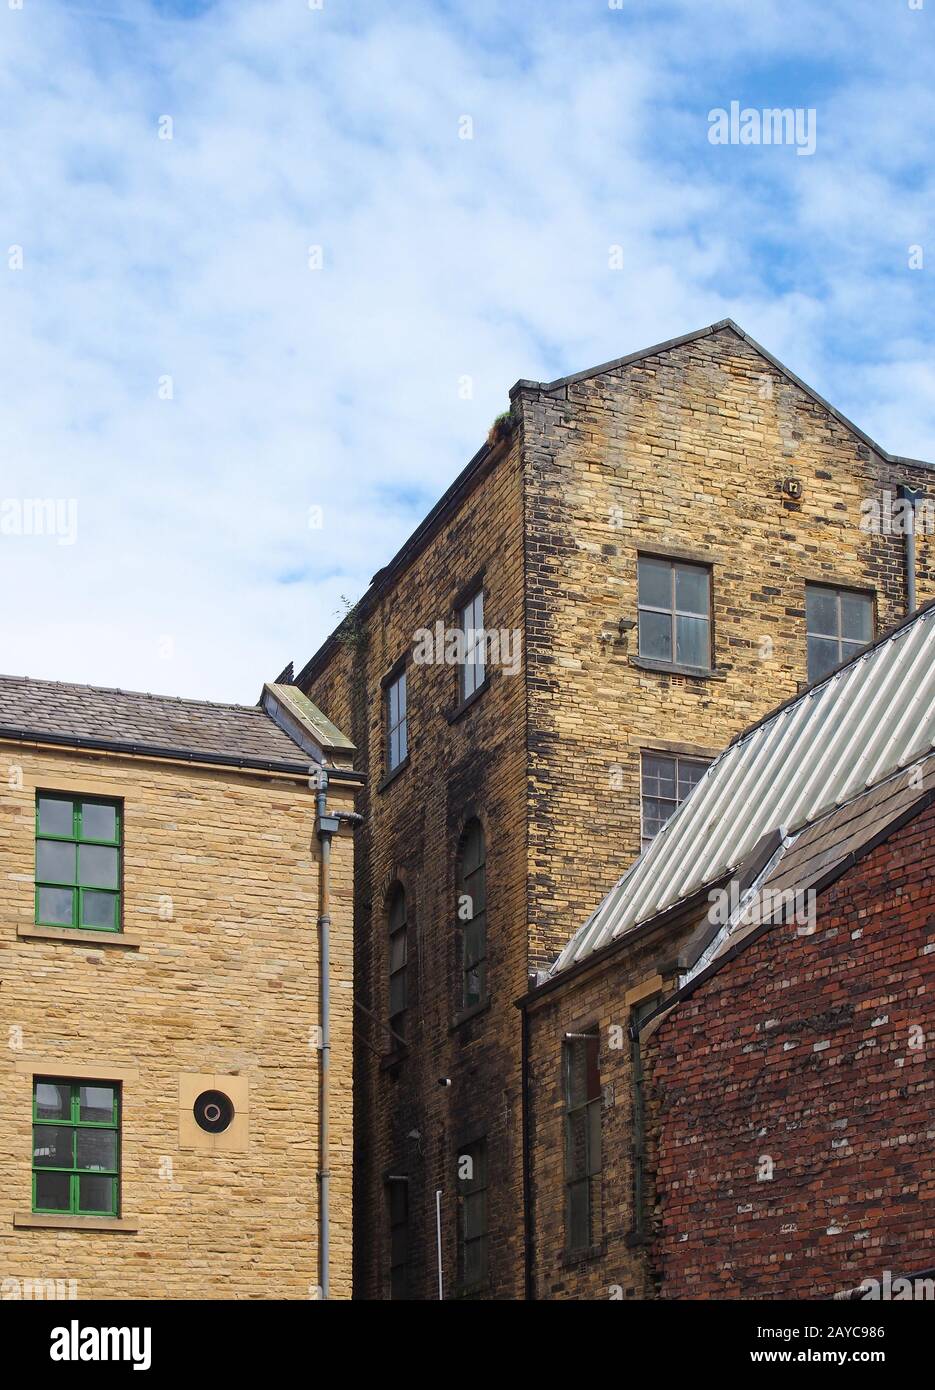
point(139, 694)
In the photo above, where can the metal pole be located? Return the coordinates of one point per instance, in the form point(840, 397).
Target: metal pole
point(324, 1056)
point(438, 1234)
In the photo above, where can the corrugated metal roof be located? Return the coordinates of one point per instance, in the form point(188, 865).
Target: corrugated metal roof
point(851, 731)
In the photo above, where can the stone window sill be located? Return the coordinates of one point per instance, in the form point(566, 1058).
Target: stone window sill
point(390, 1060)
point(672, 668)
point(41, 1221)
point(454, 715)
point(465, 1015)
point(571, 1258)
point(391, 776)
point(80, 937)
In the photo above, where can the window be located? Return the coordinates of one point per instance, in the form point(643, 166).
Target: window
point(472, 914)
point(472, 1192)
point(76, 1147)
point(675, 612)
point(77, 862)
point(473, 667)
point(397, 1198)
point(582, 1142)
point(838, 623)
point(397, 724)
point(664, 784)
point(398, 961)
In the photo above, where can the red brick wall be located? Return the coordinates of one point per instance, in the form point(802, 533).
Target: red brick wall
point(800, 1051)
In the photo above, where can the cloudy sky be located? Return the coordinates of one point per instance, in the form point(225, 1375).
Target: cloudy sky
point(308, 304)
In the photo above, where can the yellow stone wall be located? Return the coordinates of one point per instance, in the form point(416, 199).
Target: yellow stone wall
point(221, 874)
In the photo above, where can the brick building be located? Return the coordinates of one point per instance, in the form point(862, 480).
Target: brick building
point(730, 1085)
point(656, 551)
point(160, 983)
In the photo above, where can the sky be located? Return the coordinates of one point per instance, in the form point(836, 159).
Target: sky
point(268, 269)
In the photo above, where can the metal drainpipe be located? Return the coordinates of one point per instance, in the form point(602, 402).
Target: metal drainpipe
point(325, 826)
point(911, 496)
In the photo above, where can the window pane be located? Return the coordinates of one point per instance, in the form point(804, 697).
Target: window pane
point(592, 1070)
point(98, 822)
point(97, 1149)
point(98, 867)
point(399, 1202)
point(397, 994)
point(475, 1215)
point(55, 907)
point(475, 984)
point(472, 849)
point(856, 617)
point(53, 1101)
point(474, 941)
point(401, 695)
point(52, 1146)
point(55, 862)
point(397, 912)
point(403, 740)
point(96, 1104)
point(579, 1216)
point(655, 582)
point(98, 910)
point(655, 636)
point(821, 610)
point(392, 699)
point(691, 589)
point(53, 1192)
point(691, 641)
point(690, 774)
point(658, 775)
point(594, 1138)
point(55, 816)
point(475, 1261)
point(394, 749)
point(397, 951)
point(96, 1194)
point(479, 610)
point(822, 657)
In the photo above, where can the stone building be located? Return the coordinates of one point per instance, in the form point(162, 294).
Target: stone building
point(729, 1075)
point(160, 993)
point(654, 551)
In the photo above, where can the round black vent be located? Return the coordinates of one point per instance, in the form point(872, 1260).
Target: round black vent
point(213, 1111)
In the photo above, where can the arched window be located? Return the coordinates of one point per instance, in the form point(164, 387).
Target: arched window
point(472, 914)
point(398, 957)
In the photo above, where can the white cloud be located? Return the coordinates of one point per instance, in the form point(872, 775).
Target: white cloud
point(443, 258)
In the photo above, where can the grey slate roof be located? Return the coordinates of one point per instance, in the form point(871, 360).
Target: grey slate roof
point(819, 853)
point(129, 719)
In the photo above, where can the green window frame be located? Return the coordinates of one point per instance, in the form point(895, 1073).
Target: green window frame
point(79, 862)
point(75, 1147)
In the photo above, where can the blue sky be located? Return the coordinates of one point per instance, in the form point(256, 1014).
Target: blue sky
point(172, 362)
